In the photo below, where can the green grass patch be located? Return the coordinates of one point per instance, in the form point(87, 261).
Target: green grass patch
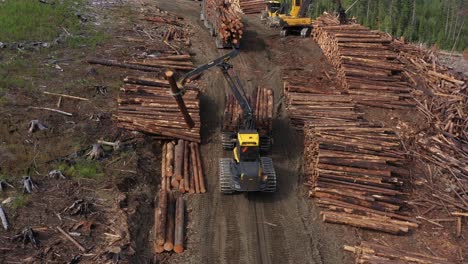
point(18, 71)
point(19, 201)
point(30, 20)
point(83, 169)
point(90, 39)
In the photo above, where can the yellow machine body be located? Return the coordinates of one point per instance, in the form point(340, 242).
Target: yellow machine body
point(293, 19)
point(296, 21)
point(248, 139)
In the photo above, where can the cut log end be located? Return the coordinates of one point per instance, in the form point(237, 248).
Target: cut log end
point(168, 246)
point(178, 249)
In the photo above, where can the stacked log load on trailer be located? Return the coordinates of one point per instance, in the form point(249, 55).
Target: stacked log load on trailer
point(223, 21)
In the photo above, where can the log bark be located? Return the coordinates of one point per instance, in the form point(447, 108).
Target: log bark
point(193, 157)
point(186, 166)
point(170, 160)
point(179, 226)
point(160, 221)
point(180, 101)
point(372, 223)
point(179, 160)
point(170, 224)
point(123, 65)
point(199, 168)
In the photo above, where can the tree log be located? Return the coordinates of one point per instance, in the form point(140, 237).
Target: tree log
point(160, 220)
point(170, 223)
point(179, 160)
point(179, 226)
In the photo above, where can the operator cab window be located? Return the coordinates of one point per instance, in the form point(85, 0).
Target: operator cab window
point(248, 153)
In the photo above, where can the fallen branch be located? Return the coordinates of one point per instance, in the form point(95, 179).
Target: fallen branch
point(52, 110)
point(67, 96)
point(67, 236)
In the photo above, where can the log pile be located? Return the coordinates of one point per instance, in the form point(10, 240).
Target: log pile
point(327, 107)
point(356, 174)
point(443, 98)
point(250, 6)
point(169, 223)
point(366, 65)
point(263, 110)
point(371, 253)
point(181, 172)
point(182, 168)
point(225, 19)
point(147, 105)
point(352, 166)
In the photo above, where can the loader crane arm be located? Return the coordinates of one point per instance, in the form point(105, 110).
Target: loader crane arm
point(233, 81)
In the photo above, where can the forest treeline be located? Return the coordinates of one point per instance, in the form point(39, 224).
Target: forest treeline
point(439, 22)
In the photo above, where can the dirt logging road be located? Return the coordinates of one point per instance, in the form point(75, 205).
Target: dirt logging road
point(254, 228)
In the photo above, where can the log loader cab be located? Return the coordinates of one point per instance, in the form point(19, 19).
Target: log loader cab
point(296, 20)
point(273, 9)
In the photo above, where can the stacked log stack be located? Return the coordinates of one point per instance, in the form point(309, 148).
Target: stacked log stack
point(366, 65)
point(225, 19)
point(352, 166)
point(250, 6)
point(263, 110)
point(182, 168)
point(169, 223)
point(305, 103)
point(357, 174)
point(181, 172)
point(372, 253)
point(147, 105)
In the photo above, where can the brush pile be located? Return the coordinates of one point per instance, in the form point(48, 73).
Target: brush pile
point(366, 65)
point(225, 20)
point(443, 98)
point(147, 105)
point(371, 253)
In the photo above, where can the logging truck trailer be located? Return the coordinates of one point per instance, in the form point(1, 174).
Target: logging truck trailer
point(213, 25)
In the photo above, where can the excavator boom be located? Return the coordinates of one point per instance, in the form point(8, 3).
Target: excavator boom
point(234, 84)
